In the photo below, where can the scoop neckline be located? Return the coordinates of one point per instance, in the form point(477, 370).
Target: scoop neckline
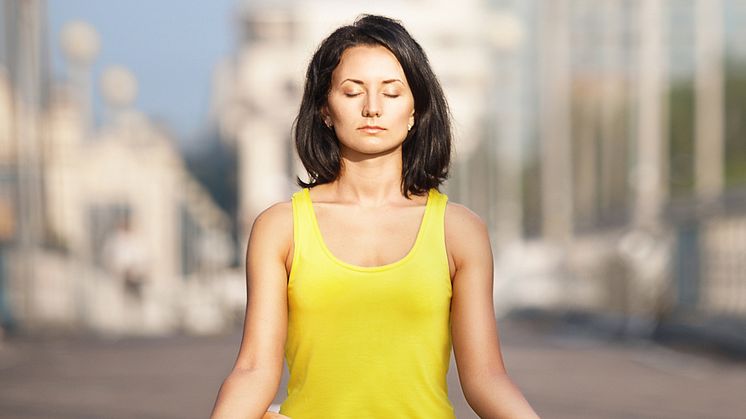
point(404, 259)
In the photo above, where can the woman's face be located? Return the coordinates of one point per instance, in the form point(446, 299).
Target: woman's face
point(370, 105)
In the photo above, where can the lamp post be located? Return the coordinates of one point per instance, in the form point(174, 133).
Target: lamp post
point(648, 179)
point(25, 58)
point(119, 90)
point(80, 45)
point(505, 35)
point(554, 129)
point(709, 119)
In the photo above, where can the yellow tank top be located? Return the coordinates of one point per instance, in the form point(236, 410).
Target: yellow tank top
point(368, 342)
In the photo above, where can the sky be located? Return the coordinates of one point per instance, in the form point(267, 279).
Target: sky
point(171, 46)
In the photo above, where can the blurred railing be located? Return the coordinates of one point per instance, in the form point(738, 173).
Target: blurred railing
point(709, 276)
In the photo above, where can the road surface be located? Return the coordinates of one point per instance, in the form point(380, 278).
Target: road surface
point(563, 375)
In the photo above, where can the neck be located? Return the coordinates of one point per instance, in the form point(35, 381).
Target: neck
point(372, 182)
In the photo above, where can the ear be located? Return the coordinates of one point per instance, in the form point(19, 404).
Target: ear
point(325, 116)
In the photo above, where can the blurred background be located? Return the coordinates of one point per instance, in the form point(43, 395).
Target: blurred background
point(603, 142)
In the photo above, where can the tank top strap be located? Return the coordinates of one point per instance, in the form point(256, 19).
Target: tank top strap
point(303, 231)
point(434, 233)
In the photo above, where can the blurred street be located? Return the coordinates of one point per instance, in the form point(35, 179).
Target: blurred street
point(564, 375)
point(600, 142)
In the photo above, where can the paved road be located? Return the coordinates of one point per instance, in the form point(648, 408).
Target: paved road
point(563, 376)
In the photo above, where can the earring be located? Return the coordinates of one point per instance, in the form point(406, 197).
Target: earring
point(328, 123)
point(409, 127)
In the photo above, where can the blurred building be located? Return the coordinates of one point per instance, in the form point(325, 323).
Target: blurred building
point(592, 136)
point(125, 240)
point(601, 141)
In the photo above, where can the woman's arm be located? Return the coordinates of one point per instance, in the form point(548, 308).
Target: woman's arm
point(251, 386)
point(476, 345)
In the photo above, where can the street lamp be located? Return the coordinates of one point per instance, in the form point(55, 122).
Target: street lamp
point(505, 34)
point(80, 45)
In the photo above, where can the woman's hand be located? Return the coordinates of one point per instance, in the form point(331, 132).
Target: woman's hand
point(273, 415)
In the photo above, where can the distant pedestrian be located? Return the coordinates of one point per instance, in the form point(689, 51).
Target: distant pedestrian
point(125, 257)
point(365, 278)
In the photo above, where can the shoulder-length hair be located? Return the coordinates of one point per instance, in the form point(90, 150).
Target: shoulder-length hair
point(426, 151)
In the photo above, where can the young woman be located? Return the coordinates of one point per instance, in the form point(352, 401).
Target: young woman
point(367, 275)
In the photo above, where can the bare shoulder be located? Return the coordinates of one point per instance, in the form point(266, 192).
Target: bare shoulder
point(463, 223)
point(277, 217)
point(466, 233)
point(278, 214)
point(274, 226)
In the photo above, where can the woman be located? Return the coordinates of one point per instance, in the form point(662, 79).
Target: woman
point(365, 278)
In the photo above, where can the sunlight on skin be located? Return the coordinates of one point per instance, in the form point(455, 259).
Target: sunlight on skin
point(370, 105)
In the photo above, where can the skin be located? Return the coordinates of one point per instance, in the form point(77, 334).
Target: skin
point(369, 88)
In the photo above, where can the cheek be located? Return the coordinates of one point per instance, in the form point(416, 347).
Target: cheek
point(404, 112)
point(407, 107)
point(343, 113)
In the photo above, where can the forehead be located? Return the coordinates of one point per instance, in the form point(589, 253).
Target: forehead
point(368, 63)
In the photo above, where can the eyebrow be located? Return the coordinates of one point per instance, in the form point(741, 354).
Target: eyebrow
point(360, 82)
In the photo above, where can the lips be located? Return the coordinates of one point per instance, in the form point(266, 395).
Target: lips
point(371, 129)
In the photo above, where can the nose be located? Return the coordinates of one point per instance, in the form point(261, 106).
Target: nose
point(372, 106)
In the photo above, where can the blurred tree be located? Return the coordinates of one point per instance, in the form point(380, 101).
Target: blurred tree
point(681, 129)
point(681, 138)
point(214, 165)
point(531, 196)
point(735, 124)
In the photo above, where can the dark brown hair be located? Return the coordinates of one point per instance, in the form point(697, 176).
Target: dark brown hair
point(426, 152)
